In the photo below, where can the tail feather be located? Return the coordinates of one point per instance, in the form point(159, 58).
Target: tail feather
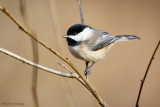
point(127, 37)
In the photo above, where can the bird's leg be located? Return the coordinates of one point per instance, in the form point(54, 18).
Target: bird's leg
point(87, 64)
point(86, 72)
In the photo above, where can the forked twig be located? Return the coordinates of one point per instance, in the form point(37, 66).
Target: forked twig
point(142, 81)
point(94, 93)
point(68, 75)
point(77, 77)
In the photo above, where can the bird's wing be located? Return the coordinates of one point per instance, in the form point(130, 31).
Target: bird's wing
point(103, 39)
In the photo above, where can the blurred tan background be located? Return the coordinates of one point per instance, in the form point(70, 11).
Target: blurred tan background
point(116, 78)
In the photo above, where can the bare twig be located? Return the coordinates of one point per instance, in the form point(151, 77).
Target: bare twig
point(34, 64)
point(35, 53)
point(64, 66)
point(142, 81)
point(80, 9)
point(94, 93)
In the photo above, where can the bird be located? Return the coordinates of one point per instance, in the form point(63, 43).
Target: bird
point(90, 44)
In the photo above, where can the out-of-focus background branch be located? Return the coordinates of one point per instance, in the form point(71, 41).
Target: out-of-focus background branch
point(117, 77)
point(23, 11)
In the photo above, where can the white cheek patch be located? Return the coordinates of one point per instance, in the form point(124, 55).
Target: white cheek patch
point(84, 35)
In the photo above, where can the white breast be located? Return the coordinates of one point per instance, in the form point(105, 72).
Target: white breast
point(84, 53)
point(75, 51)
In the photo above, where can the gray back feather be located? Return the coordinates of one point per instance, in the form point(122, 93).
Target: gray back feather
point(100, 40)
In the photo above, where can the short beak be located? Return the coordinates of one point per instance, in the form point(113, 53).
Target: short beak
point(65, 36)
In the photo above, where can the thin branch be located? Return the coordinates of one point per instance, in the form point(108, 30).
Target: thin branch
point(80, 9)
point(94, 93)
point(64, 66)
point(142, 81)
point(34, 64)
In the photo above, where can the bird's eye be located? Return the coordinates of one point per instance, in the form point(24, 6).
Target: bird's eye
point(75, 33)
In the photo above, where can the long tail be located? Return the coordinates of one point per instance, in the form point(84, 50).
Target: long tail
point(127, 37)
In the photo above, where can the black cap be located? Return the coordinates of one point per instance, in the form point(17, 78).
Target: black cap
point(75, 29)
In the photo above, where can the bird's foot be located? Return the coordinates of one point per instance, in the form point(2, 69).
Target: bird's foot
point(87, 72)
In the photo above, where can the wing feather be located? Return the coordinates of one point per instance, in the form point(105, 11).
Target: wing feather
point(101, 40)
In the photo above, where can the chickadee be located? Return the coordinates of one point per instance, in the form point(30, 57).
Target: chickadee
point(90, 44)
